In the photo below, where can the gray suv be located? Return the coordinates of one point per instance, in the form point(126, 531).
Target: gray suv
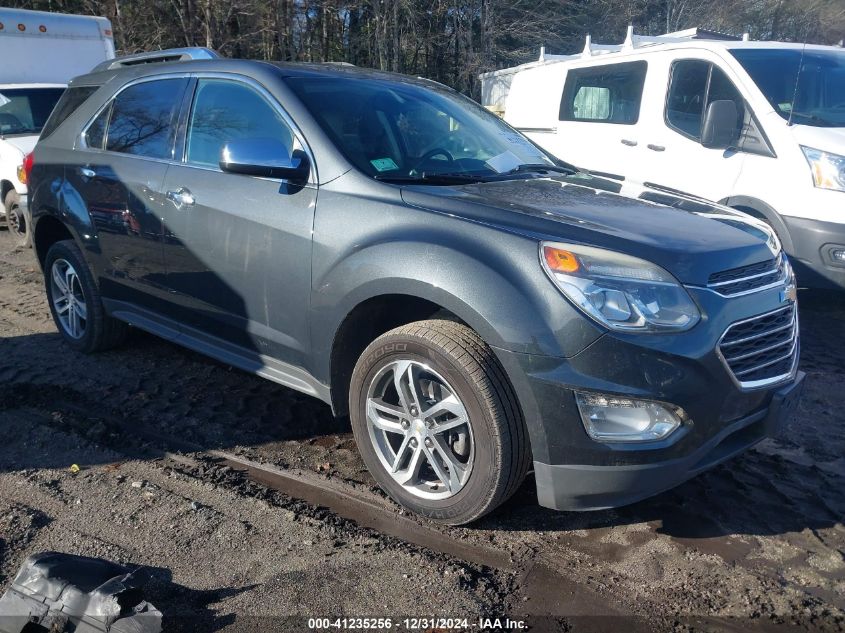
point(383, 243)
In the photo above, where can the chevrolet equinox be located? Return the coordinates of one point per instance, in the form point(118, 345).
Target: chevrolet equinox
point(476, 307)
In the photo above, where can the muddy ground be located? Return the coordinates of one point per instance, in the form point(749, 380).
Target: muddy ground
point(756, 543)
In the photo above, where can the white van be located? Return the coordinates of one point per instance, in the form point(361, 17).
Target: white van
point(39, 53)
point(758, 126)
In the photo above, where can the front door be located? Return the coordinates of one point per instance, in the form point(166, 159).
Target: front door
point(238, 248)
point(671, 153)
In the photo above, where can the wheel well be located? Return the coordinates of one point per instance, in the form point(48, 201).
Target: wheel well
point(366, 322)
point(48, 231)
point(5, 187)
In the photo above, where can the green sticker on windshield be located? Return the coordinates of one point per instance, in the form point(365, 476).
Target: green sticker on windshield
point(384, 164)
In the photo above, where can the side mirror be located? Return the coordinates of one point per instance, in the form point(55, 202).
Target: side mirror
point(264, 157)
point(719, 130)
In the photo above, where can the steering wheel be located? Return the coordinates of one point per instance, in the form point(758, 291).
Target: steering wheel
point(437, 151)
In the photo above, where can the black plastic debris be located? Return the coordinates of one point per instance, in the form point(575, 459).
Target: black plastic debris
point(59, 592)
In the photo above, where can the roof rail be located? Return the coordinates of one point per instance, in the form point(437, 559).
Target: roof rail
point(157, 57)
point(633, 41)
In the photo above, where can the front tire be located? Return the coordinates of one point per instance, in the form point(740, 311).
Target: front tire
point(437, 422)
point(75, 301)
point(17, 221)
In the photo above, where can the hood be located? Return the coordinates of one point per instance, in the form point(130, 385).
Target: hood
point(690, 237)
point(23, 143)
point(827, 139)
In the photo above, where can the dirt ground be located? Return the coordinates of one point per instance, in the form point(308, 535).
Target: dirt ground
point(757, 543)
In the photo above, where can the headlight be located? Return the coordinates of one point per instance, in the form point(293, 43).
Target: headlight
point(619, 291)
point(828, 169)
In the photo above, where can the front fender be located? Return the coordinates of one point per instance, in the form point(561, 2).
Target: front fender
point(498, 290)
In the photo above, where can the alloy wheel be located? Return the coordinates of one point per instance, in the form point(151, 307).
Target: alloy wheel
point(420, 429)
point(68, 299)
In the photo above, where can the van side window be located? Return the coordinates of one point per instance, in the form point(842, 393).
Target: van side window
point(143, 118)
point(228, 110)
point(687, 91)
point(604, 94)
point(694, 85)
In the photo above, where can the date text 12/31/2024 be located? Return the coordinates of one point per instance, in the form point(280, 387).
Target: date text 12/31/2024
point(416, 624)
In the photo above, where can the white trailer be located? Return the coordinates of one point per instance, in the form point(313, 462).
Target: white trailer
point(40, 53)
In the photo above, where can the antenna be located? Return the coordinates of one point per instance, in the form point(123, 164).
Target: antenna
point(797, 79)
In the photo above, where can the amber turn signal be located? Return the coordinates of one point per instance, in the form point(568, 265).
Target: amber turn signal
point(560, 261)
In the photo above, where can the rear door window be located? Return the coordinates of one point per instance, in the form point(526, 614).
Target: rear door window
point(604, 94)
point(143, 118)
point(225, 111)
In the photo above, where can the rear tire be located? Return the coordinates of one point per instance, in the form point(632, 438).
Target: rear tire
point(17, 221)
point(465, 458)
point(75, 301)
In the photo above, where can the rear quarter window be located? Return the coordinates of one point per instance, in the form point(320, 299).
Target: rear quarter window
point(68, 104)
point(611, 93)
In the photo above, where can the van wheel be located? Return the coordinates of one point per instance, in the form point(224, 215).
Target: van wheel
point(437, 422)
point(75, 301)
point(17, 221)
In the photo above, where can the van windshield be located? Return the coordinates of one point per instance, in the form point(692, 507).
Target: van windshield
point(818, 93)
point(25, 110)
point(395, 130)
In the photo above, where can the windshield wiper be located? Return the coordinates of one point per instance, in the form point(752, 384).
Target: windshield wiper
point(561, 169)
point(815, 118)
point(431, 179)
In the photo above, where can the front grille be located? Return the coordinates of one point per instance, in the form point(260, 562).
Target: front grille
point(749, 278)
point(762, 350)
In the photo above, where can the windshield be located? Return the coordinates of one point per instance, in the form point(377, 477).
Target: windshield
point(395, 130)
point(25, 110)
point(819, 92)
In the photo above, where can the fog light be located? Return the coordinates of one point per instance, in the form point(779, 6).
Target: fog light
point(838, 255)
point(612, 419)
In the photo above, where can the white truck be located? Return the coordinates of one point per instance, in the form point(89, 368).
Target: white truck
point(39, 53)
point(758, 126)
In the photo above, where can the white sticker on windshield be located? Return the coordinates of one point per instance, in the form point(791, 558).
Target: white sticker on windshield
point(521, 143)
point(504, 162)
point(4, 99)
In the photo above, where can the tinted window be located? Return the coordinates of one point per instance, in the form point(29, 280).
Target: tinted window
point(227, 110)
point(142, 119)
point(95, 135)
point(604, 94)
point(25, 110)
point(398, 129)
point(67, 105)
point(694, 85)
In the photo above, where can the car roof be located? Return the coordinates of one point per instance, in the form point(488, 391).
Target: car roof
point(248, 67)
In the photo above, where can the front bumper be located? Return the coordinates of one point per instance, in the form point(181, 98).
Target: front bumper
point(813, 241)
point(588, 487)
point(575, 472)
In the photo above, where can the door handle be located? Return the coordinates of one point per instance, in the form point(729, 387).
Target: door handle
point(182, 197)
point(656, 148)
point(87, 172)
point(629, 143)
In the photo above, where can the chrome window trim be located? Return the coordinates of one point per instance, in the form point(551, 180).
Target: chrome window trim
point(313, 179)
point(751, 385)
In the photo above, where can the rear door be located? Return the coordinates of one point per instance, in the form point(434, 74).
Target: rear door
point(238, 248)
point(671, 154)
point(118, 170)
point(600, 115)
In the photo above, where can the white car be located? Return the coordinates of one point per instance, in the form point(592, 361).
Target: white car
point(44, 51)
point(758, 126)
